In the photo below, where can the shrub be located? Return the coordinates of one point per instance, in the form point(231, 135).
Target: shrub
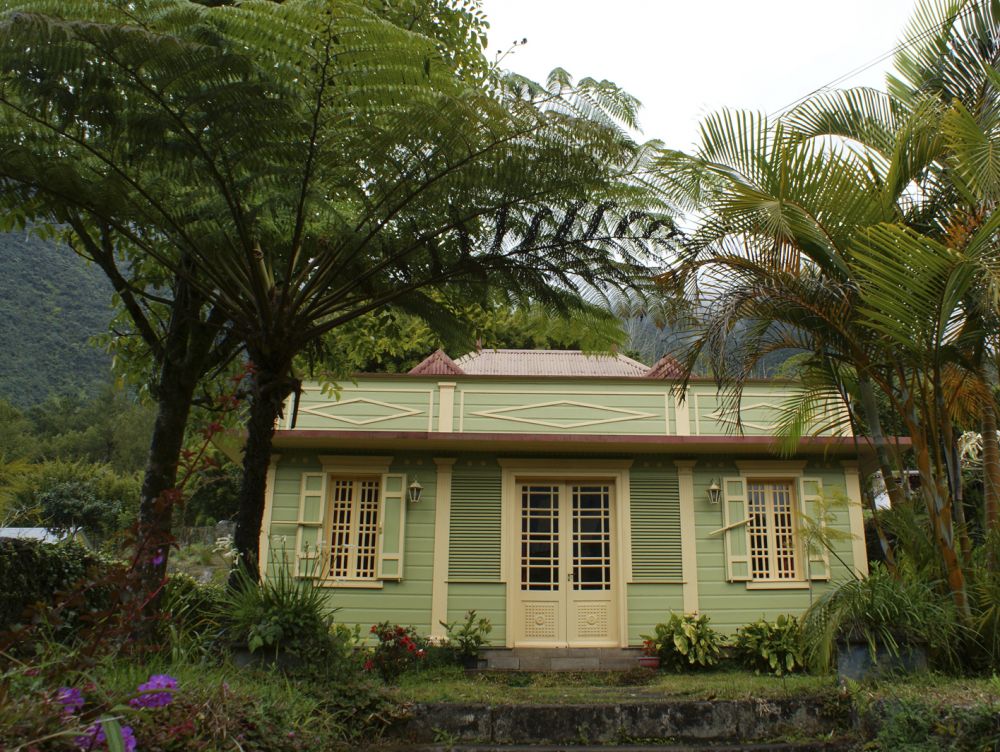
point(32, 572)
point(466, 638)
point(771, 647)
point(880, 611)
point(398, 649)
point(280, 614)
point(686, 642)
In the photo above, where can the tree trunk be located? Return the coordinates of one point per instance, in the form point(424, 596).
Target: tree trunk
point(271, 388)
point(869, 406)
point(991, 466)
point(175, 393)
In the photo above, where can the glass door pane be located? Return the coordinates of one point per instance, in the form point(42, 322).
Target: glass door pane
point(591, 552)
point(540, 537)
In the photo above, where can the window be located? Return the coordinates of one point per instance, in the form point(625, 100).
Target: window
point(354, 510)
point(771, 530)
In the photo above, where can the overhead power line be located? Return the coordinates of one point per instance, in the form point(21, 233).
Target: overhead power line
point(881, 58)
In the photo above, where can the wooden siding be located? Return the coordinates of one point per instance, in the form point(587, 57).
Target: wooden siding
point(474, 537)
point(732, 604)
point(488, 599)
point(404, 602)
point(649, 604)
point(560, 406)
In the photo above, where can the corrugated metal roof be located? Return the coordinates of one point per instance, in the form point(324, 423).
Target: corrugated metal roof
point(548, 363)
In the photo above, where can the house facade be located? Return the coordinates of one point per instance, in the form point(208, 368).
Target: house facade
point(574, 500)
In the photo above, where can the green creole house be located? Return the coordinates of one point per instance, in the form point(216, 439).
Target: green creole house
point(575, 500)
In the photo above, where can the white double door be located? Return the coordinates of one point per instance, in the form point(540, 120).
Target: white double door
point(566, 593)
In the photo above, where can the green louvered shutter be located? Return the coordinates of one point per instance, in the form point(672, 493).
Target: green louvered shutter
point(734, 523)
point(392, 527)
point(656, 526)
point(811, 507)
point(474, 535)
point(309, 532)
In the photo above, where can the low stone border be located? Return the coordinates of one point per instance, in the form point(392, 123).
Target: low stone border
point(717, 720)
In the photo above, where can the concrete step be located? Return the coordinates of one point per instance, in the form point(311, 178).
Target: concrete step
point(560, 659)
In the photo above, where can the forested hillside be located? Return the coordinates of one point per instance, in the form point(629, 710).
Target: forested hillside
point(51, 303)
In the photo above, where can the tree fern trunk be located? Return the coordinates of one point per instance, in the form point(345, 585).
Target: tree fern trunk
point(271, 388)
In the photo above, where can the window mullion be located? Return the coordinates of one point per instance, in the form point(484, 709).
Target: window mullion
point(353, 541)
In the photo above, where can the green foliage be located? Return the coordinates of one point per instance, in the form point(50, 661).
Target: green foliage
point(925, 725)
point(393, 341)
point(51, 304)
point(397, 650)
point(68, 495)
point(193, 611)
point(467, 637)
point(215, 497)
point(280, 614)
point(771, 647)
point(33, 572)
point(880, 611)
point(686, 642)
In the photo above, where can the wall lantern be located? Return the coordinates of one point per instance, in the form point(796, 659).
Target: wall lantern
point(415, 490)
point(715, 492)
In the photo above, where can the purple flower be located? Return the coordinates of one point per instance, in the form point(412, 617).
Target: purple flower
point(95, 738)
point(159, 558)
point(71, 699)
point(149, 697)
point(128, 739)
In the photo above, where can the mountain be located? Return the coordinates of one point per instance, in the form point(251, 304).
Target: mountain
point(51, 303)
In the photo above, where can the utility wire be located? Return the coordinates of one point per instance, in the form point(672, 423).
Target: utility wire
point(881, 58)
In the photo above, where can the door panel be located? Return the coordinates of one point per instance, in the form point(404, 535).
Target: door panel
point(565, 594)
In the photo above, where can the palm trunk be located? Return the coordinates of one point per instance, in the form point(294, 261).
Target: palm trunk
point(991, 466)
point(869, 406)
point(271, 388)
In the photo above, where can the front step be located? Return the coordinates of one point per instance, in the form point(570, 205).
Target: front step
point(560, 659)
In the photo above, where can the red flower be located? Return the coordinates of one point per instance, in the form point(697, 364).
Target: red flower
point(374, 628)
point(369, 665)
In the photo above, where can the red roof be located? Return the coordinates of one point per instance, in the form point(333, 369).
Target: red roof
point(437, 364)
point(666, 367)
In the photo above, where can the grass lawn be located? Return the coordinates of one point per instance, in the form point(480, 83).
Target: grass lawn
point(449, 684)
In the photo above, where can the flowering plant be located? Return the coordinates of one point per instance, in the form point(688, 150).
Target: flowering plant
point(398, 649)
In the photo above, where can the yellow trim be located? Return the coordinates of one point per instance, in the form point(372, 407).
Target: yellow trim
point(352, 584)
point(263, 543)
point(778, 585)
point(682, 416)
point(855, 516)
point(689, 550)
point(442, 528)
point(446, 411)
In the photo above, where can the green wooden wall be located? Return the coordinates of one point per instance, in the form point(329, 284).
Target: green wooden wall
point(474, 564)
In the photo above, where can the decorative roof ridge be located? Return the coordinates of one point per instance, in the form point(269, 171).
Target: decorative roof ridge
point(437, 364)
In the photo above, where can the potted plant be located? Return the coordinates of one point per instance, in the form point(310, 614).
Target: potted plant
point(650, 657)
point(467, 637)
point(877, 625)
point(686, 642)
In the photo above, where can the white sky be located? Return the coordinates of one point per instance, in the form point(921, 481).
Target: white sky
point(685, 58)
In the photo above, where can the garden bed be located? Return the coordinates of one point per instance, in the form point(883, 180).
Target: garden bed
point(446, 684)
